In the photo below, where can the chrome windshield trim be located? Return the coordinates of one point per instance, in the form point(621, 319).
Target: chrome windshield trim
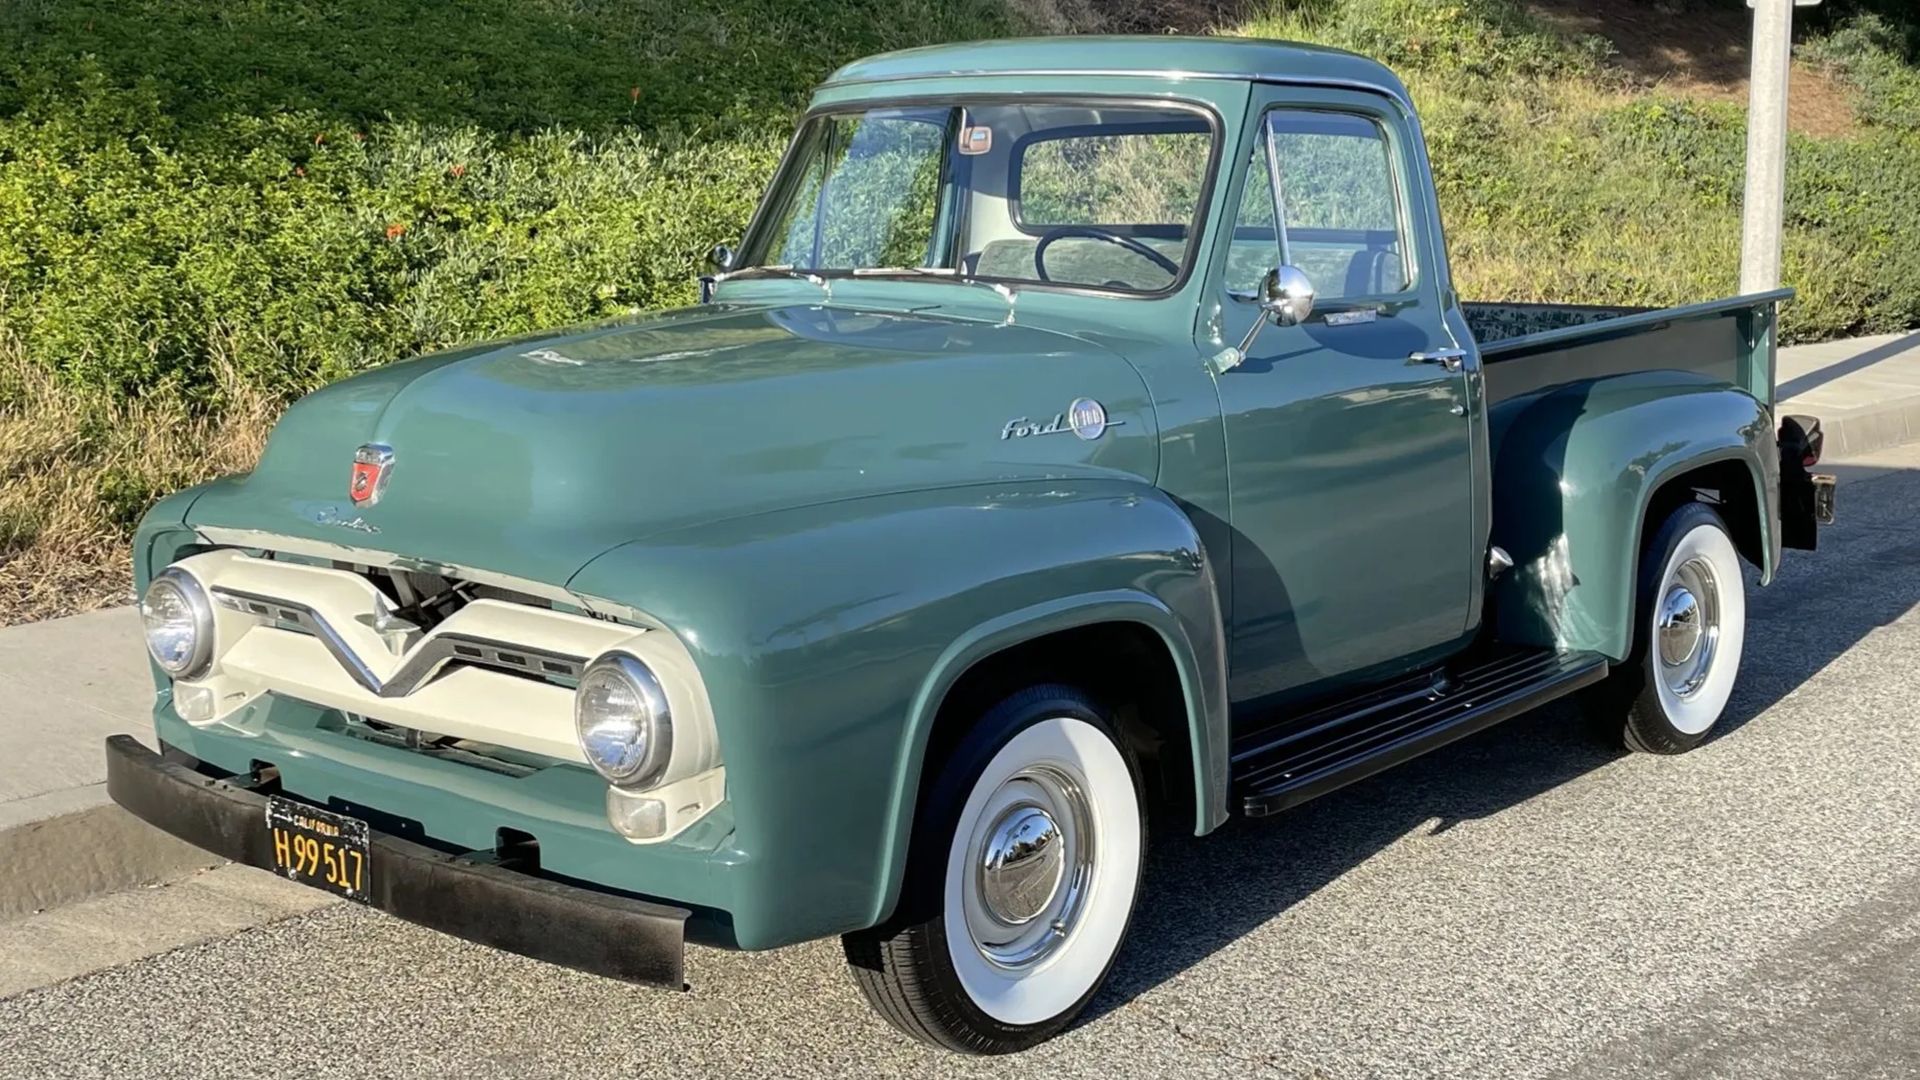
point(756, 237)
point(426, 659)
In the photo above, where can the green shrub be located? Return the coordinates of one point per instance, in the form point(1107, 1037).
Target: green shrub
point(1560, 182)
point(302, 190)
point(207, 207)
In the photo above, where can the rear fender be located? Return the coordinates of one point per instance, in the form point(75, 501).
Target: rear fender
point(1576, 468)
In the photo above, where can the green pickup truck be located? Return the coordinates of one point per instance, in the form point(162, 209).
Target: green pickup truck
point(1085, 432)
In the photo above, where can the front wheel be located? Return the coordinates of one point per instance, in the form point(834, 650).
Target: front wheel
point(1021, 883)
point(1690, 625)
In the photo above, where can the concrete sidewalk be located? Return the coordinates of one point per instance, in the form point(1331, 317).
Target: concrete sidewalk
point(65, 685)
point(1866, 391)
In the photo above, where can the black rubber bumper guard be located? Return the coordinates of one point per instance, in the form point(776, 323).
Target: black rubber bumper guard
point(617, 936)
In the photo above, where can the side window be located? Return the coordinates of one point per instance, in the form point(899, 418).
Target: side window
point(1342, 211)
point(1254, 249)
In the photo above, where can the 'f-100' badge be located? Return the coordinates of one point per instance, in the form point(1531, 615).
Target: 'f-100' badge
point(372, 464)
point(1086, 418)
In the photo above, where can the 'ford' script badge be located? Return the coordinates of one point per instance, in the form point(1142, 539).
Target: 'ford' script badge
point(372, 464)
point(1086, 418)
point(331, 516)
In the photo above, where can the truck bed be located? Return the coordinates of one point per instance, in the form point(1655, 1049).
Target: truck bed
point(1529, 347)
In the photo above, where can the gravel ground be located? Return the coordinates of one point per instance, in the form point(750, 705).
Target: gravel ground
point(1528, 903)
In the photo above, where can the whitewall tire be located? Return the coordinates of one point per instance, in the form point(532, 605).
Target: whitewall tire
point(1690, 622)
point(1025, 869)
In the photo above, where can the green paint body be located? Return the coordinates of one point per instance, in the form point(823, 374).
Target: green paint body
point(815, 490)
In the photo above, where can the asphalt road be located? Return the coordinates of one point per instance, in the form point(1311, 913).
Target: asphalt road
point(1529, 903)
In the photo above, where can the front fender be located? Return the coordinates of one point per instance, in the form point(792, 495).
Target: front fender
point(1575, 469)
point(163, 534)
point(827, 637)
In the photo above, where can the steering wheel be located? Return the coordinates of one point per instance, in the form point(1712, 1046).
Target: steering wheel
point(1090, 232)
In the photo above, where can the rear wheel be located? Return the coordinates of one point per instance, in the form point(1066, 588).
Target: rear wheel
point(1690, 626)
point(1021, 883)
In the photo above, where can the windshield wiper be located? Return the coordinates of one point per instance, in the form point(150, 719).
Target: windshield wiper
point(783, 270)
point(937, 273)
point(940, 273)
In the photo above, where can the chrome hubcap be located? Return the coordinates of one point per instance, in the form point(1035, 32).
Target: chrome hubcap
point(1032, 856)
point(1679, 627)
point(1688, 627)
point(1024, 864)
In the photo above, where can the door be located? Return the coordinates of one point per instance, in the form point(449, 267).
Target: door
point(1349, 445)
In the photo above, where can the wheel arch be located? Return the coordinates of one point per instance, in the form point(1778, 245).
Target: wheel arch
point(993, 654)
point(1730, 484)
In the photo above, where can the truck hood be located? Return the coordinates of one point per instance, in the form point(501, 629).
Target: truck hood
point(530, 457)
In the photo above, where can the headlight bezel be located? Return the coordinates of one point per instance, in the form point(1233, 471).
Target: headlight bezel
point(654, 724)
point(199, 609)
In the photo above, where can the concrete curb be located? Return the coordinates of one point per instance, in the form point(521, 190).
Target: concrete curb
point(1866, 390)
point(121, 927)
point(68, 684)
point(1862, 431)
point(74, 844)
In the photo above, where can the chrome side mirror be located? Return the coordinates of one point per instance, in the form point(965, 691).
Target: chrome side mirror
point(721, 258)
point(1286, 296)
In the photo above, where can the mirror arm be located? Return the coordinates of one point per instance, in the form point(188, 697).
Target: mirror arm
point(1259, 322)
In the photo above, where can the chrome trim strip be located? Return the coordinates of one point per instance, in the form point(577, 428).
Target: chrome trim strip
point(426, 659)
point(305, 618)
point(452, 647)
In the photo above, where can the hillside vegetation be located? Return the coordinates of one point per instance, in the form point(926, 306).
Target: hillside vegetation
point(207, 208)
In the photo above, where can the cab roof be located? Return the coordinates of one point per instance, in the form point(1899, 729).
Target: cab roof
point(1251, 59)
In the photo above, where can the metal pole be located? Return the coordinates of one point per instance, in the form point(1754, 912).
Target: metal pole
point(1765, 206)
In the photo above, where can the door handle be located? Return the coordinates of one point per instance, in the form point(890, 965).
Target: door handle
point(1450, 359)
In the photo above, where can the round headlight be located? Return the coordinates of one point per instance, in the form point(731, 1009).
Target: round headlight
point(620, 714)
point(179, 623)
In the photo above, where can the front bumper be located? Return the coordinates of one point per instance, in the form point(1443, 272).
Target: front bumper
point(464, 895)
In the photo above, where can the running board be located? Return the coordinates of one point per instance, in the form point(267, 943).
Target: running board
point(1306, 757)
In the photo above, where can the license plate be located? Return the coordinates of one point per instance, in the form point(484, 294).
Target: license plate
point(319, 848)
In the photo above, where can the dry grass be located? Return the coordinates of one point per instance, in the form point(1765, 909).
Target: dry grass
point(1689, 50)
point(1132, 16)
point(76, 470)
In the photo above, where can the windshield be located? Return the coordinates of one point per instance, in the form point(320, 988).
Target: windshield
point(1097, 196)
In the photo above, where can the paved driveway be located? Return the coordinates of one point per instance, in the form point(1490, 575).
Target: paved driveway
point(1527, 903)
